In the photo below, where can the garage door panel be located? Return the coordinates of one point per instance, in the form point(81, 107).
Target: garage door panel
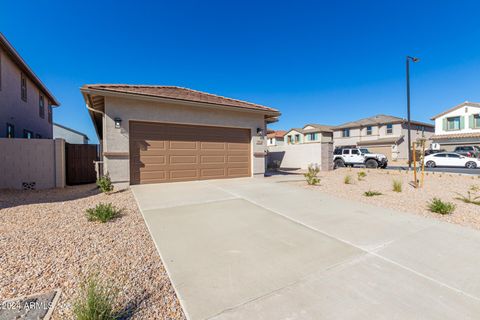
point(185, 174)
point(187, 152)
point(212, 159)
point(182, 145)
point(177, 159)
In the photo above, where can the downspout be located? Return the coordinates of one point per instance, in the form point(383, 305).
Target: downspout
point(98, 164)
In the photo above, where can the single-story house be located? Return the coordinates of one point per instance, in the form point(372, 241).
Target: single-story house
point(69, 135)
point(153, 134)
point(275, 137)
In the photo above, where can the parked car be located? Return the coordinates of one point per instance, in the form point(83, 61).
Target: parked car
point(430, 151)
point(450, 159)
point(358, 156)
point(468, 151)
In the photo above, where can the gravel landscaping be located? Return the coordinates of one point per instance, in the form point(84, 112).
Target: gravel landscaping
point(440, 185)
point(46, 242)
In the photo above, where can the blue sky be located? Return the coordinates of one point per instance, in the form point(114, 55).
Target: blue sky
point(316, 61)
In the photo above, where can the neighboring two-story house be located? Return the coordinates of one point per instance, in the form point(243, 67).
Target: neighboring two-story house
point(25, 102)
point(458, 126)
point(310, 133)
point(381, 134)
point(275, 137)
point(69, 135)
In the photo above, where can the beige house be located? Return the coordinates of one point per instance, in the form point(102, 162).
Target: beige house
point(25, 102)
point(458, 126)
point(310, 133)
point(275, 137)
point(381, 134)
point(152, 134)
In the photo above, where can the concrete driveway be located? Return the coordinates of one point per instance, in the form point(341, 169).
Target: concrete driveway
point(263, 248)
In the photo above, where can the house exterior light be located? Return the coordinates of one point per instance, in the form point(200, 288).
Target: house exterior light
point(118, 123)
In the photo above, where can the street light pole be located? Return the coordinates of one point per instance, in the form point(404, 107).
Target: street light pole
point(408, 111)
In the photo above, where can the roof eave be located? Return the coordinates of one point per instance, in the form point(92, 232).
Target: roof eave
point(18, 60)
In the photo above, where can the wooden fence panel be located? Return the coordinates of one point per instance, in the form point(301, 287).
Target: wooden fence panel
point(79, 165)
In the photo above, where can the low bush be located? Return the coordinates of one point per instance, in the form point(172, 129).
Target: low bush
point(371, 193)
point(397, 185)
point(311, 175)
point(472, 196)
point(102, 212)
point(361, 175)
point(438, 206)
point(105, 184)
point(96, 301)
point(347, 179)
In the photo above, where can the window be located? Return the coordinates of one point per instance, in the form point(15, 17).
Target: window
point(346, 133)
point(355, 151)
point(389, 128)
point(49, 112)
point(312, 136)
point(453, 123)
point(297, 138)
point(369, 130)
point(346, 151)
point(0, 70)
point(453, 155)
point(27, 134)
point(41, 107)
point(10, 131)
point(476, 121)
point(441, 155)
point(23, 87)
point(337, 151)
point(38, 136)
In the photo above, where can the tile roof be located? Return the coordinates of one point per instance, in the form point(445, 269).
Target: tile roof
point(177, 93)
point(378, 119)
point(318, 128)
point(463, 104)
point(276, 134)
point(456, 135)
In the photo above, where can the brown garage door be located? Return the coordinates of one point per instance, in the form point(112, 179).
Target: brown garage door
point(386, 150)
point(161, 152)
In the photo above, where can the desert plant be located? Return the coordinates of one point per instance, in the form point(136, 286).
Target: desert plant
point(311, 175)
point(102, 212)
point(438, 206)
point(96, 301)
point(371, 193)
point(361, 175)
point(472, 196)
point(397, 185)
point(347, 179)
point(105, 183)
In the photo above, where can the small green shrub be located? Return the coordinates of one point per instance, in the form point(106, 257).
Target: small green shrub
point(311, 175)
point(347, 179)
point(371, 193)
point(472, 196)
point(96, 301)
point(361, 175)
point(105, 183)
point(438, 206)
point(397, 185)
point(102, 212)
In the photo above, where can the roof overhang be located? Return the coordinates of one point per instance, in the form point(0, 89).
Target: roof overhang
point(95, 100)
point(18, 60)
point(383, 141)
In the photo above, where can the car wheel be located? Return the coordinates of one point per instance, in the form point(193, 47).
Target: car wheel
point(371, 164)
point(338, 164)
point(471, 165)
point(430, 164)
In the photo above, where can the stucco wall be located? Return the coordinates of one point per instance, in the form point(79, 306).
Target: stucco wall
point(127, 109)
point(13, 110)
point(302, 155)
point(360, 134)
point(28, 160)
point(464, 112)
point(68, 135)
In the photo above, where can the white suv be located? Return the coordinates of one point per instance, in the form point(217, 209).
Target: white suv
point(354, 156)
